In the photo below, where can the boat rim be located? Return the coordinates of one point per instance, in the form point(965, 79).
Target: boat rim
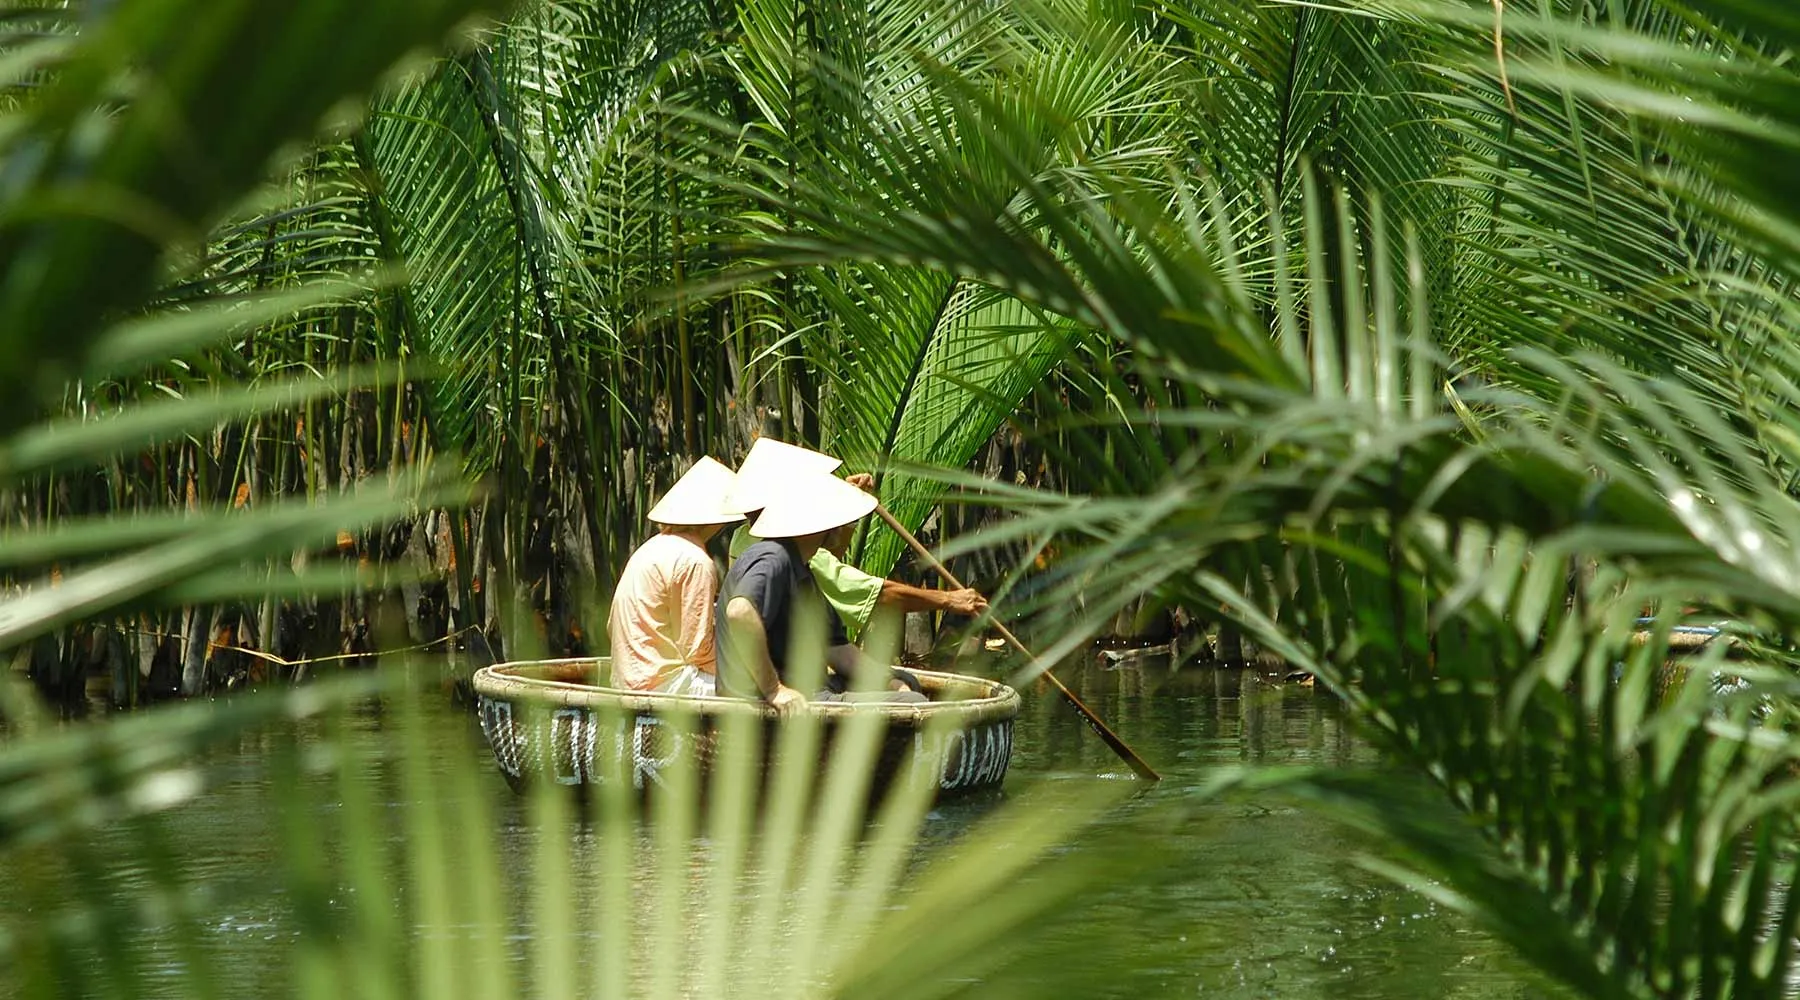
point(501, 681)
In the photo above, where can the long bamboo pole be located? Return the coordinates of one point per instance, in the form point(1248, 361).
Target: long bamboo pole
point(1128, 755)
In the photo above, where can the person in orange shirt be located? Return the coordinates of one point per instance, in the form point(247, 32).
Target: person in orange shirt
point(661, 626)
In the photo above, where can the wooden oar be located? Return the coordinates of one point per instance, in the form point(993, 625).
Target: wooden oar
point(1128, 755)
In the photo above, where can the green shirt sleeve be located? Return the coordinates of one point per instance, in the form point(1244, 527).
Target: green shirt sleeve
point(741, 539)
point(850, 592)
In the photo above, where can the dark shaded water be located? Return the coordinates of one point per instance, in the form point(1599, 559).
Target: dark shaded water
point(1238, 898)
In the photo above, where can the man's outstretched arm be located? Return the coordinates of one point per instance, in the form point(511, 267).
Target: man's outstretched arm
point(906, 597)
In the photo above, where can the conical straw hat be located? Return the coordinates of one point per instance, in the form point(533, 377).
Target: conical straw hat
point(698, 497)
point(811, 503)
point(770, 464)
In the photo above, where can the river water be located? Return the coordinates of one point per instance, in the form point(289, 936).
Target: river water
point(1240, 898)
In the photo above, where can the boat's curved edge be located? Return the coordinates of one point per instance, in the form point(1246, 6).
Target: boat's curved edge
point(503, 681)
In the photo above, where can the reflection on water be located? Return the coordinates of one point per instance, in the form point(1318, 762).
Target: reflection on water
point(1242, 898)
point(1238, 898)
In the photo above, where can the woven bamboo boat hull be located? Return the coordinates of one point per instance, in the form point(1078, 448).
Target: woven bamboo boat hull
point(543, 721)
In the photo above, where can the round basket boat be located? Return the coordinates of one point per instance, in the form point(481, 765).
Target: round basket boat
point(545, 716)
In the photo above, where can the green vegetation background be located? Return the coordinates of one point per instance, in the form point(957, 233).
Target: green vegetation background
point(1429, 343)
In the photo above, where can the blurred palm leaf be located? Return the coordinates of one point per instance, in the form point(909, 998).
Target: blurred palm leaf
point(138, 134)
point(1493, 653)
point(806, 890)
point(1462, 559)
point(1435, 368)
point(94, 198)
point(52, 788)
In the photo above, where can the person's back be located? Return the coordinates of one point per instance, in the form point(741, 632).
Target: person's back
point(850, 592)
point(770, 600)
point(774, 579)
point(662, 614)
point(661, 626)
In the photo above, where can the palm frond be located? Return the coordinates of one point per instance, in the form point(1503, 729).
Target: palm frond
point(59, 293)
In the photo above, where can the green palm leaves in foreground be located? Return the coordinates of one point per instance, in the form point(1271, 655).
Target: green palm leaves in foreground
point(99, 195)
point(123, 145)
point(1447, 481)
point(196, 132)
point(802, 889)
point(1429, 399)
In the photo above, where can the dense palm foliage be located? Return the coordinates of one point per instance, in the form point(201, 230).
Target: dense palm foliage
point(1431, 343)
point(547, 227)
point(1438, 420)
point(55, 785)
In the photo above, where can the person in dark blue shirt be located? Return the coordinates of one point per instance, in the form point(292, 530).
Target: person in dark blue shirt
point(769, 598)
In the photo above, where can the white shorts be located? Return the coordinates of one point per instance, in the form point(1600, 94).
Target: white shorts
point(690, 681)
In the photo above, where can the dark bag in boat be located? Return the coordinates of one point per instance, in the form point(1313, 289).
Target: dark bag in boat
point(838, 683)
